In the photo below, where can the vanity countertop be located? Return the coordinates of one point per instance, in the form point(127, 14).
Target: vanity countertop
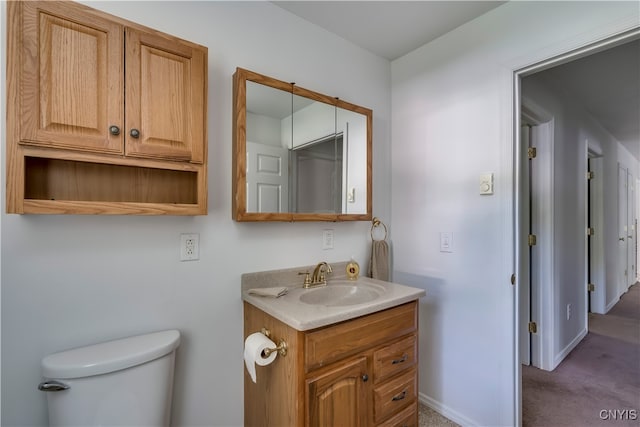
point(303, 316)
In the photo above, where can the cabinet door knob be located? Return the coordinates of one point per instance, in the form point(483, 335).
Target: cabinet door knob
point(114, 130)
point(135, 133)
point(365, 378)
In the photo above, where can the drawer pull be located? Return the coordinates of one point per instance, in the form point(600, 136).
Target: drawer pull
point(401, 360)
point(399, 396)
point(365, 378)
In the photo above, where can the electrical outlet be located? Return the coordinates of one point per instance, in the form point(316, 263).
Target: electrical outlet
point(189, 247)
point(568, 311)
point(327, 239)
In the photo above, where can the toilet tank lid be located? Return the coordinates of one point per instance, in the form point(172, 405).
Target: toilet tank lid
point(110, 356)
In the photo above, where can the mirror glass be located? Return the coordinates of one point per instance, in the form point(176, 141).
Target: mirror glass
point(299, 155)
point(316, 158)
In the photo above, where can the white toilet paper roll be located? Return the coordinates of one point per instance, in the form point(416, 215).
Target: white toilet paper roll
point(253, 347)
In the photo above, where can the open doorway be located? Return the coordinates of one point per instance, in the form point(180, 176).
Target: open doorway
point(559, 307)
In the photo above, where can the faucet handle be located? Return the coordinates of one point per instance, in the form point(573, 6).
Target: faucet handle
point(307, 278)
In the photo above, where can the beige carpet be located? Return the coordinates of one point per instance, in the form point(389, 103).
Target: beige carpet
point(598, 384)
point(429, 417)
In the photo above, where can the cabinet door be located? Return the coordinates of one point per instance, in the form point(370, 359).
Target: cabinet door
point(71, 78)
point(165, 99)
point(337, 396)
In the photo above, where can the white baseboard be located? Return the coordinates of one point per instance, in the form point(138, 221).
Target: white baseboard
point(565, 351)
point(445, 411)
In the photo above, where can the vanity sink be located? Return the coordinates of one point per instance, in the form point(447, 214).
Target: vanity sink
point(339, 300)
point(343, 293)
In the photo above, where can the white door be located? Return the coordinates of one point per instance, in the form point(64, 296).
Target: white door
point(267, 178)
point(534, 269)
point(622, 231)
point(635, 229)
point(596, 241)
point(631, 265)
point(524, 214)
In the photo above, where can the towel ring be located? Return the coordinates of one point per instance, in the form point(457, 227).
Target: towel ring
point(377, 223)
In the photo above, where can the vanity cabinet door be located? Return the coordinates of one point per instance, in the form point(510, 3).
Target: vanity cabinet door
point(337, 396)
point(71, 78)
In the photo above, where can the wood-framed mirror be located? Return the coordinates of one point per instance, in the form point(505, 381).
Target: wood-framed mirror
point(298, 155)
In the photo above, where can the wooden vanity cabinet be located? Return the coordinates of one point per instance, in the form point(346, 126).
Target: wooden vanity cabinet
point(361, 372)
point(104, 115)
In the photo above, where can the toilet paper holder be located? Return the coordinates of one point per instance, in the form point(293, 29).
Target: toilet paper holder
point(281, 348)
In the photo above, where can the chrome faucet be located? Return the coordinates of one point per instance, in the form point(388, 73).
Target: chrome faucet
point(318, 277)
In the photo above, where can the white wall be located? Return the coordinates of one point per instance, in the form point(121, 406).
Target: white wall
point(72, 280)
point(452, 120)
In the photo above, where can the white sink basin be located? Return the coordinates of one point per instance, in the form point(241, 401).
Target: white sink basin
point(342, 293)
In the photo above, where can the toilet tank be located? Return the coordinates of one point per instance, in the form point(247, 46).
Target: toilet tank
point(122, 382)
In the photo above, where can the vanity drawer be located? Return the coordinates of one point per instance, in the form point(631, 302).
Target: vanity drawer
point(394, 395)
point(408, 417)
point(335, 342)
point(394, 358)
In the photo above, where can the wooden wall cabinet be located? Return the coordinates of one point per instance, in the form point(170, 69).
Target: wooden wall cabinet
point(361, 372)
point(104, 116)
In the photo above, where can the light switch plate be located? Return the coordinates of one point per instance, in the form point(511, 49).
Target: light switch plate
point(351, 195)
point(446, 241)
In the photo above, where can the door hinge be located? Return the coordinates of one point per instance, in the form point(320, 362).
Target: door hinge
point(591, 287)
point(533, 328)
point(532, 152)
point(513, 279)
point(591, 231)
point(532, 240)
point(590, 175)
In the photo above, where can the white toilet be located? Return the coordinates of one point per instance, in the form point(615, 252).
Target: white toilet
point(123, 382)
